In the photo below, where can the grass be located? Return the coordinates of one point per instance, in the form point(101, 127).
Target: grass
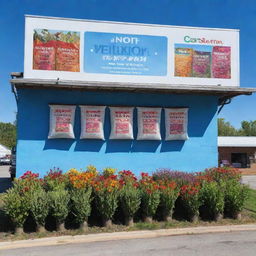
point(250, 203)
point(248, 216)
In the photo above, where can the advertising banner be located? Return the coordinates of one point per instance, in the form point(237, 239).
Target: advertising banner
point(149, 123)
point(176, 122)
point(121, 123)
point(111, 53)
point(56, 50)
point(61, 121)
point(92, 122)
point(100, 51)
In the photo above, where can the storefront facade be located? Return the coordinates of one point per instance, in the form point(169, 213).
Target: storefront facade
point(43, 86)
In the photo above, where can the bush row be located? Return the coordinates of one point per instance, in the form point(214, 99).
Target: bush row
point(82, 194)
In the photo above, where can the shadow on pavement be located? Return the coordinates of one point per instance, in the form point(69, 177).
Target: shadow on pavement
point(5, 183)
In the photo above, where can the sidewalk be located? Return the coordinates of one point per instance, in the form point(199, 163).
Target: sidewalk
point(123, 235)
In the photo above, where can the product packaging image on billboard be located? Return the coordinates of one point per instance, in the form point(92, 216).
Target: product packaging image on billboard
point(56, 50)
point(61, 121)
point(125, 54)
point(121, 122)
point(221, 62)
point(203, 61)
point(176, 122)
point(92, 122)
point(149, 123)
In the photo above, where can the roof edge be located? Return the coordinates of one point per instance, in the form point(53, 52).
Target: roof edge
point(56, 83)
point(130, 23)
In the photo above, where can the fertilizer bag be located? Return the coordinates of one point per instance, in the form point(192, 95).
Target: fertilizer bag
point(221, 62)
point(183, 62)
point(201, 64)
point(121, 123)
point(92, 122)
point(61, 121)
point(176, 121)
point(149, 123)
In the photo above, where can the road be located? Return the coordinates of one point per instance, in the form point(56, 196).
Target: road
point(249, 180)
point(5, 181)
point(218, 244)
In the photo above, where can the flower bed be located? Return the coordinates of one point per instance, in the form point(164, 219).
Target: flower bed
point(90, 194)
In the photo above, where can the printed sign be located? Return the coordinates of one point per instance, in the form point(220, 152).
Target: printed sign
point(102, 53)
point(121, 123)
point(149, 123)
point(56, 50)
point(202, 61)
point(61, 121)
point(92, 122)
point(127, 54)
point(176, 121)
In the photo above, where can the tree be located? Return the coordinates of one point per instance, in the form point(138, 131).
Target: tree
point(248, 128)
point(7, 134)
point(226, 129)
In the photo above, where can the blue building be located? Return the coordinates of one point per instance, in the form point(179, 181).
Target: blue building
point(150, 66)
point(38, 153)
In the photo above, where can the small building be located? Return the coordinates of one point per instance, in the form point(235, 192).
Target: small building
point(237, 151)
point(169, 82)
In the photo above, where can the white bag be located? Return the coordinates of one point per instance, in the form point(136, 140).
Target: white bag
point(121, 123)
point(176, 122)
point(61, 121)
point(149, 123)
point(92, 122)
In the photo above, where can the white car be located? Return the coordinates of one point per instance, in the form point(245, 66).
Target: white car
point(5, 160)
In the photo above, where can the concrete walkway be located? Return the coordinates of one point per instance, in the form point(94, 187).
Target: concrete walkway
point(240, 243)
point(51, 241)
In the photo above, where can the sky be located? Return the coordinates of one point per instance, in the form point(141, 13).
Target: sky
point(235, 14)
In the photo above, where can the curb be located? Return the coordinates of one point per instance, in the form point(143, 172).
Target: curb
point(50, 241)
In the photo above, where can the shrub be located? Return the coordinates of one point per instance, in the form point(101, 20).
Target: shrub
point(80, 195)
point(55, 180)
point(181, 178)
point(212, 199)
point(81, 204)
point(169, 193)
point(189, 195)
point(129, 196)
point(39, 207)
point(16, 205)
point(92, 169)
point(220, 174)
point(150, 196)
point(80, 180)
point(108, 171)
point(106, 191)
point(17, 199)
point(28, 183)
point(235, 196)
point(59, 200)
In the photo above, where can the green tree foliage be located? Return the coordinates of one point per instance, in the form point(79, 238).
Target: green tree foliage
point(248, 128)
point(7, 134)
point(226, 129)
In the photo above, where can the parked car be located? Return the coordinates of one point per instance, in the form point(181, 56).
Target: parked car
point(12, 168)
point(5, 160)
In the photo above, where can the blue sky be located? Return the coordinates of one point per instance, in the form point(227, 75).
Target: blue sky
point(200, 13)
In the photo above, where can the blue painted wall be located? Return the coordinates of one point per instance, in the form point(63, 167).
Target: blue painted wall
point(35, 152)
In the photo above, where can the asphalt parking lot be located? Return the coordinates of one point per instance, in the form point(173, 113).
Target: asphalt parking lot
point(5, 180)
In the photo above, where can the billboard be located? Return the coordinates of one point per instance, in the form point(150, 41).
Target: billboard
point(85, 50)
